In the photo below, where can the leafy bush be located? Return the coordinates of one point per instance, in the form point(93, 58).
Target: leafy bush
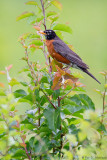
point(62, 122)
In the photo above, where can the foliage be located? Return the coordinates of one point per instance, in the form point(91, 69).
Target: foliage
point(62, 122)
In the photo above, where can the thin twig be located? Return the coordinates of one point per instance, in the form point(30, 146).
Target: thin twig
point(48, 99)
point(43, 10)
point(61, 135)
point(8, 79)
point(45, 54)
point(39, 117)
point(67, 93)
point(26, 149)
point(104, 100)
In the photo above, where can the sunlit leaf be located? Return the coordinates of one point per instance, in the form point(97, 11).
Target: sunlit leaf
point(40, 19)
point(31, 3)
point(24, 15)
point(105, 86)
point(2, 93)
point(57, 4)
point(103, 73)
point(82, 136)
point(98, 91)
point(13, 82)
point(32, 19)
point(77, 75)
point(53, 19)
point(36, 42)
point(51, 14)
point(62, 27)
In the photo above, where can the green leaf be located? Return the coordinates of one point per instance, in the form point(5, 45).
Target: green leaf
point(105, 86)
point(73, 129)
point(87, 101)
point(59, 34)
point(24, 84)
point(44, 79)
point(27, 99)
point(98, 91)
point(13, 82)
point(20, 93)
point(37, 42)
point(53, 19)
point(62, 27)
point(51, 14)
point(57, 4)
point(32, 19)
point(24, 15)
point(84, 101)
point(77, 75)
point(2, 93)
point(40, 18)
point(37, 95)
point(55, 94)
point(69, 109)
point(49, 91)
point(41, 145)
point(20, 153)
point(51, 116)
point(31, 3)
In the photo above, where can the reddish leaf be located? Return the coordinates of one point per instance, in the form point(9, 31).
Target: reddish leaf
point(37, 28)
point(2, 72)
point(57, 81)
point(66, 74)
point(2, 85)
point(78, 84)
point(23, 136)
point(69, 76)
point(57, 4)
point(23, 145)
point(31, 3)
point(63, 78)
point(103, 73)
point(54, 63)
point(68, 82)
point(9, 67)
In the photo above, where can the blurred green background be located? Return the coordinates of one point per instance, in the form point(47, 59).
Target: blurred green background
point(88, 20)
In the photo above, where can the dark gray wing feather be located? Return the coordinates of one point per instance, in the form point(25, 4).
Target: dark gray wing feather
point(61, 48)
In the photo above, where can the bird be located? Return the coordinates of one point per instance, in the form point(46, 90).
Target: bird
point(60, 51)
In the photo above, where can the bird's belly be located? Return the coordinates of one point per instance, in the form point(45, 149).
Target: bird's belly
point(54, 54)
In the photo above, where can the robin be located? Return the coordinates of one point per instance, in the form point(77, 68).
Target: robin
point(62, 53)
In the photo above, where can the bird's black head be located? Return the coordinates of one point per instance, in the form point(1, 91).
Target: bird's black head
point(49, 34)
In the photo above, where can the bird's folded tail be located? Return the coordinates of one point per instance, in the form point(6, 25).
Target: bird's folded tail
point(86, 71)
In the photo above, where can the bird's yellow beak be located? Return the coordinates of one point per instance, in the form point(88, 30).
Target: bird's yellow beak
point(41, 32)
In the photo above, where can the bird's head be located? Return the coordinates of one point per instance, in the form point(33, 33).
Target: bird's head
point(49, 34)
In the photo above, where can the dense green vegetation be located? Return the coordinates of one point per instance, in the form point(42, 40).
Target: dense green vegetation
point(61, 121)
point(88, 22)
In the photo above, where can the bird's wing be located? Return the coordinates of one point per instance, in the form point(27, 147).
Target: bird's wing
point(61, 48)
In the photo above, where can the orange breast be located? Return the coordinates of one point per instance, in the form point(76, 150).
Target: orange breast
point(54, 54)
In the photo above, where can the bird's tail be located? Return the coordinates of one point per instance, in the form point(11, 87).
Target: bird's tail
point(86, 71)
